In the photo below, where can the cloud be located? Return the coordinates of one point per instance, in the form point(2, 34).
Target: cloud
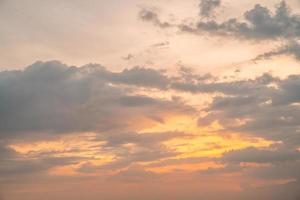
point(259, 24)
point(209, 84)
point(279, 171)
point(264, 111)
point(142, 77)
point(227, 169)
point(253, 155)
point(265, 107)
point(149, 15)
point(128, 57)
point(275, 192)
point(137, 147)
point(54, 97)
point(291, 49)
point(207, 7)
point(161, 44)
point(134, 174)
point(16, 168)
point(142, 139)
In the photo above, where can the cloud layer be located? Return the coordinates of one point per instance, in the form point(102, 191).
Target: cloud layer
point(108, 116)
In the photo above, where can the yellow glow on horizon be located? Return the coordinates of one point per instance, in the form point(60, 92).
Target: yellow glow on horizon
point(185, 167)
point(204, 141)
point(198, 142)
point(82, 145)
point(214, 145)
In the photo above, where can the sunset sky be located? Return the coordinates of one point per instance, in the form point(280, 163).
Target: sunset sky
point(149, 100)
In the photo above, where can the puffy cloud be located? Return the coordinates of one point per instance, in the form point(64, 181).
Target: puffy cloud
point(265, 106)
point(207, 7)
point(259, 23)
point(54, 97)
point(141, 77)
point(51, 98)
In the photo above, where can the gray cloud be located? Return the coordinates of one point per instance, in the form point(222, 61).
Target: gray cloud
point(51, 98)
point(207, 7)
point(126, 157)
point(253, 155)
point(54, 97)
point(15, 167)
point(128, 57)
point(174, 161)
point(280, 171)
point(265, 107)
point(260, 23)
point(142, 77)
point(287, 191)
point(269, 112)
point(142, 139)
point(149, 15)
point(161, 44)
point(291, 49)
point(134, 174)
point(210, 84)
point(227, 169)
point(148, 147)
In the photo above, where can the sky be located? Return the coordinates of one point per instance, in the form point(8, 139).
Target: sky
point(149, 99)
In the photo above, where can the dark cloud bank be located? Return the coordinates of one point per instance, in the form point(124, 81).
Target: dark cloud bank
point(53, 98)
